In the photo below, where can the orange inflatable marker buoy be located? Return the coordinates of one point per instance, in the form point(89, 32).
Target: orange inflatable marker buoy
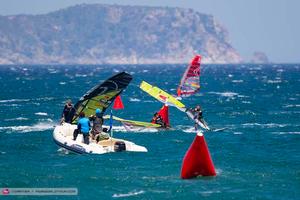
point(197, 160)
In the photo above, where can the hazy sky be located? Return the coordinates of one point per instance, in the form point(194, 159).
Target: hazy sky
point(270, 26)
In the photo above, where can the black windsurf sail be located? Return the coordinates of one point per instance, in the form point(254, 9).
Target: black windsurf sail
point(102, 95)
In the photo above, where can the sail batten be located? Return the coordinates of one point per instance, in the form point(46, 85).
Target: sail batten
point(189, 83)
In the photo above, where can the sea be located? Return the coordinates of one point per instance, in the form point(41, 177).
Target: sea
point(255, 143)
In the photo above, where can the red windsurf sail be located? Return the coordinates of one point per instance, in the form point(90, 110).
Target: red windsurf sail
point(164, 113)
point(190, 81)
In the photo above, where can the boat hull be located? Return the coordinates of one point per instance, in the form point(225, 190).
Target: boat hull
point(63, 137)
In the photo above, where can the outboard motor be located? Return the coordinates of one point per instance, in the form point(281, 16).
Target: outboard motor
point(120, 146)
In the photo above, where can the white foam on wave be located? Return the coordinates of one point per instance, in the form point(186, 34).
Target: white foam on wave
point(10, 105)
point(44, 98)
point(134, 193)
point(80, 75)
point(287, 133)
point(224, 94)
point(246, 102)
point(13, 100)
point(63, 151)
point(229, 94)
point(237, 81)
point(292, 106)
point(293, 99)
point(17, 119)
point(269, 125)
point(41, 114)
point(237, 133)
point(134, 99)
point(186, 129)
point(274, 81)
point(209, 192)
point(39, 127)
point(62, 83)
point(149, 101)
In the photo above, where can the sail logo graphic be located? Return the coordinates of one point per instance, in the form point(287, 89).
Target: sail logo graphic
point(197, 71)
point(5, 191)
point(163, 97)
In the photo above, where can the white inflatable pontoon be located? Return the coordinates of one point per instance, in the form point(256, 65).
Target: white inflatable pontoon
point(63, 136)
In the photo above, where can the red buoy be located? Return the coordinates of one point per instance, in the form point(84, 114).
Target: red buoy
point(197, 160)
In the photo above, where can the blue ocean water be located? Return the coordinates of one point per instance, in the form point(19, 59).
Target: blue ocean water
point(256, 157)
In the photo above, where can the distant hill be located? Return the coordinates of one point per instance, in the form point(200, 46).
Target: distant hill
point(97, 34)
point(259, 57)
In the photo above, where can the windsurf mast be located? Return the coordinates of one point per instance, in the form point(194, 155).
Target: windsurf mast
point(189, 83)
point(102, 95)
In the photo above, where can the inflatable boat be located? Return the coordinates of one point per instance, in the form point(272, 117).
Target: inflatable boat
point(63, 136)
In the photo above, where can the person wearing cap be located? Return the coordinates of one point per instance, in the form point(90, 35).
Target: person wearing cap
point(83, 127)
point(97, 120)
point(68, 112)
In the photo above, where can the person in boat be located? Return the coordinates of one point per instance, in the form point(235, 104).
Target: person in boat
point(157, 119)
point(83, 127)
point(68, 112)
point(97, 131)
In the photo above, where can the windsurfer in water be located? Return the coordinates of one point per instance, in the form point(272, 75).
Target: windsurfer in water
point(83, 127)
point(197, 111)
point(157, 119)
point(97, 132)
point(68, 112)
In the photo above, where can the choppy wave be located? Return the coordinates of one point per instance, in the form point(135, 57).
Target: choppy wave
point(287, 133)
point(186, 129)
point(209, 192)
point(227, 94)
point(274, 81)
point(237, 133)
point(237, 81)
point(39, 127)
point(269, 125)
point(134, 99)
point(292, 106)
point(13, 100)
point(128, 194)
point(41, 113)
point(246, 102)
point(17, 119)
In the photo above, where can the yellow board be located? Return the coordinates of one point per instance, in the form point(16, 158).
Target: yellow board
point(134, 123)
point(161, 95)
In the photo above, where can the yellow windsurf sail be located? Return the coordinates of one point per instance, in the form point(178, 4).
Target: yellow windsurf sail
point(161, 95)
